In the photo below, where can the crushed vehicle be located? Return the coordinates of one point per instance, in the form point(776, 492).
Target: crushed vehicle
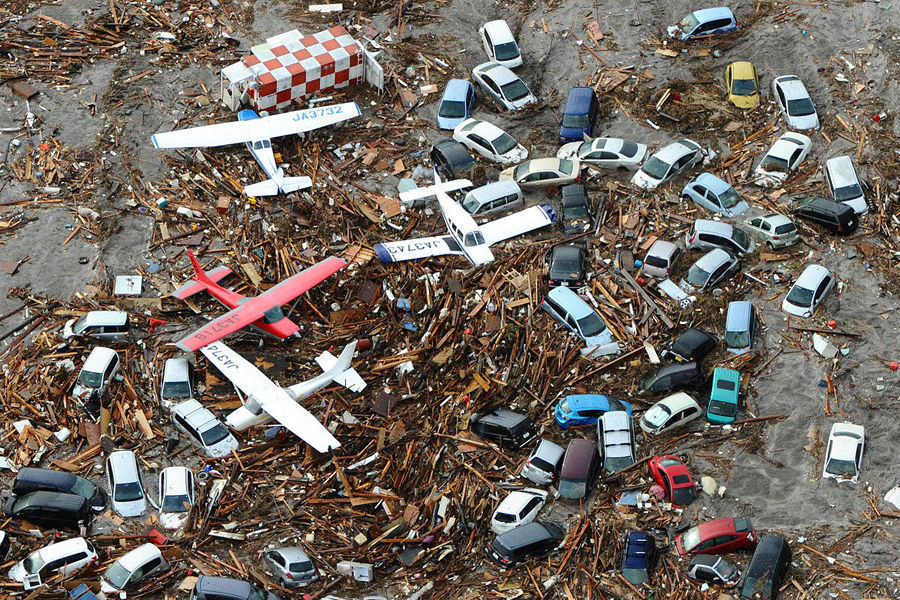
point(576, 217)
point(291, 566)
point(577, 316)
point(579, 469)
point(836, 217)
point(504, 427)
point(102, 325)
point(543, 172)
point(536, 539)
point(706, 21)
point(785, 155)
point(709, 270)
point(615, 440)
point(565, 265)
point(741, 320)
point(639, 557)
point(586, 409)
point(706, 234)
point(692, 345)
point(542, 466)
point(742, 84)
point(673, 476)
point(720, 536)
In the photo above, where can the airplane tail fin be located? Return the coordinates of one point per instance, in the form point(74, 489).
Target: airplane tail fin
point(339, 369)
point(201, 280)
point(292, 184)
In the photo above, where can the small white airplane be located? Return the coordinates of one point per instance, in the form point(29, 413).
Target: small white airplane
point(267, 400)
point(257, 132)
point(466, 237)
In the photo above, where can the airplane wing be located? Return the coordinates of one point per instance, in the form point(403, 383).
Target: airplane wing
point(255, 308)
point(273, 399)
point(431, 190)
point(518, 223)
point(237, 132)
point(417, 248)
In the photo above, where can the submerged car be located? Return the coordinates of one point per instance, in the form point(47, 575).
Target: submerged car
point(673, 377)
point(661, 258)
point(606, 152)
point(775, 230)
point(456, 104)
point(836, 217)
point(672, 474)
point(844, 185)
point(106, 325)
point(809, 291)
point(31, 479)
point(742, 84)
point(615, 436)
point(784, 156)
point(519, 508)
point(795, 102)
point(666, 163)
point(576, 217)
point(710, 269)
point(540, 172)
point(504, 86)
point(579, 114)
point(843, 457)
point(202, 429)
point(740, 326)
point(705, 21)
point(565, 266)
point(716, 195)
point(489, 141)
point(713, 569)
point(62, 558)
point(670, 412)
point(586, 409)
point(720, 536)
point(768, 567)
point(577, 316)
point(505, 427)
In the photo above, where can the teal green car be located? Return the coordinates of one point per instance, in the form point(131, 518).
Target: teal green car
point(723, 399)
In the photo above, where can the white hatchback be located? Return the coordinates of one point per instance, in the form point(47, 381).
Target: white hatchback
point(64, 558)
point(795, 102)
point(499, 44)
point(784, 156)
point(843, 457)
point(518, 508)
point(176, 496)
point(809, 291)
point(489, 141)
point(670, 412)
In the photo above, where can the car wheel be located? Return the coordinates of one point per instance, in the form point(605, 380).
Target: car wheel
point(770, 245)
point(686, 198)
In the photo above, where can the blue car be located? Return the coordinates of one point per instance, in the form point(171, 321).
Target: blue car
point(579, 115)
point(456, 104)
point(586, 409)
point(639, 558)
point(716, 195)
point(704, 22)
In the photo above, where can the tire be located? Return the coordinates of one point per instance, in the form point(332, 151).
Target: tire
point(686, 198)
point(771, 246)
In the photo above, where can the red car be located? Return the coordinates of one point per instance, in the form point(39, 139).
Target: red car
point(671, 473)
point(717, 537)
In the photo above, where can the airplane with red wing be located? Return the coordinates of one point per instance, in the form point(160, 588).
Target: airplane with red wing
point(263, 311)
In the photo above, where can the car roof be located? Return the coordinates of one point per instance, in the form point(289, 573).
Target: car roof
point(548, 449)
point(738, 315)
point(716, 12)
point(580, 401)
point(135, 558)
point(785, 145)
point(669, 154)
point(515, 501)
point(292, 554)
point(456, 89)
point(499, 31)
point(792, 87)
point(677, 402)
point(61, 500)
point(723, 374)
point(823, 203)
point(579, 99)
point(499, 73)
point(482, 128)
point(712, 182)
point(49, 477)
point(579, 454)
point(662, 249)
point(693, 337)
point(776, 219)
point(767, 551)
point(64, 547)
point(615, 420)
point(176, 480)
point(224, 585)
point(97, 360)
point(845, 438)
point(105, 317)
point(714, 227)
point(811, 276)
point(841, 170)
point(544, 164)
point(124, 463)
point(708, 560)
point(712, 259)
point(194, 413)
point(523, 535)
point(176, 369)
point(570, 301)
point(709, 529)
point(742, 69)
point(567, 251)
point(503, 416)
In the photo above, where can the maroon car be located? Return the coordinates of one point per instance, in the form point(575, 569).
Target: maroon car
point(717, 537)
point(672, 474)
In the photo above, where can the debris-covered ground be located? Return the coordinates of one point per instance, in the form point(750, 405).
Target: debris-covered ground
point(85, 197)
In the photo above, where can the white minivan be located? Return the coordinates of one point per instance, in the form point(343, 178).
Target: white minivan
point(843, 183)
point(126, 486)
point(96, 373)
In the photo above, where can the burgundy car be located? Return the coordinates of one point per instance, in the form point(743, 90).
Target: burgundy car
point(672, 474)
point(717, 537)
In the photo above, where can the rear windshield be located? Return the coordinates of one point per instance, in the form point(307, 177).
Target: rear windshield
point(656, 261)
point(735, 339)
point(725, 409)
point(542, 464)
point(629, 149)
point(300, 567)
point(515, 90)
point(685, 495)
point(786, 228)
point(452, 109)
point(569, 488)
point(725, 385)
point(505, 518)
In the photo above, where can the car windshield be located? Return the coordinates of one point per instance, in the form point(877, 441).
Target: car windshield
point(452, 109)
point(684, 495)
point(504, 143)
point(636, 575)
point(591, 325)
point(117, 575)
point(584, 149)
point(740, 236)
point(690, 539)
point(775, 164)
point(572, 488)
point(737, 339)
point(576, 121)
point(656, 261)
point(79, 325)
point(848, 193)
point(505, 517)
point(506, 51)
point(743, 87)
point(800, 296)
point(657, 415)
point(697, 276)
point(576, 212)
point(514, 90)
point(688, 23)
point(841, 468)
point(727, 571)
point(729, 198)
point(256, 593)
point(521, 171)
point(725, 409)
point(90, 379)
point(801, 107)
point(33, 562)
point(128, 492)
point(214, 435)
point(655, 168)
point(175, 503)
point(176, 389)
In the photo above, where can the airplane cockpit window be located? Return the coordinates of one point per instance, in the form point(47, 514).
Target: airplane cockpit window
point(273, 315)
point(262, 144)
point(473, 238)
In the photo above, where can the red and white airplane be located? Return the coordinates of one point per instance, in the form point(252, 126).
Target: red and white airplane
point(263, 311)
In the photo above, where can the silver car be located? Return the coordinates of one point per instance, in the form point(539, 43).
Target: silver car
point(667, 162)
point(795, 102)
point(291, 566)
point(711, 268)
point(203, 430)
point(775, 230)
point(706, 234)
point(543, 464)
point(609, 153)
point(503, 85)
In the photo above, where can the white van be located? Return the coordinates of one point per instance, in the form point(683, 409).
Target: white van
point(843, 183)
point(62, 557)
point(107, 325)
point(98, 370)
point(493, 197)
point(126, 487)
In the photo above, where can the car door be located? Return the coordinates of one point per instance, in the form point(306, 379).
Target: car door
point(661, 383)
point(703, 573)
point(717, 275)
point(714, 202)
point(779, 93)
point(73, 562)
point(489, 45)
point(820, 292)
point(470, 99)
point(572, 324)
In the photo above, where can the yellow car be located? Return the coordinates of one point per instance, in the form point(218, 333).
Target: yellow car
point(742, 84)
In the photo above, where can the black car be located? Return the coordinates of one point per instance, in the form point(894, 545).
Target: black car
point(675, 377)
point(836, 217)
point(4, 545)
point(451, 159)
point(565, 266)
point(576, 216)
point(504, 427)
point(767, 569)
point(692, 345)
point(50, 509)
point(639, 557)
point(533, 539)
point(226, 588)
point(31, 479)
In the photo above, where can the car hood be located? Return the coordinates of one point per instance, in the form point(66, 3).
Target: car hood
point(804, 122)
point(770, 179)
point(514, 156)
point(569, 150)
point(171, 520)
point(744, 102)
point(793, 309)
point(17, 572)
point(67, 332)
point(644, 181)
point(599, 340)
point(223, 448)
point(738, 209)
point(135, 508)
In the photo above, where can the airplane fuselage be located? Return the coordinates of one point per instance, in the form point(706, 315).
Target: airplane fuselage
point(274, 323)
point(261, 149)
point(464, 231)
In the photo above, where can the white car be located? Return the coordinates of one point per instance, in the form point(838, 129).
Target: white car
point(133, 568)
point(503, 85)
point(499, 44)
point(670, 412)
point(176, 496)
point(666, 163)
point(489, 141)
point(64, 558)
point(711, 268)
point(795, 102)
point(809, 291)
point(106, 325)
point(519, 508)
point(540, 172)
point(843, 457)
point(784, 156)
point(126, 485)
point(203, 430)
point(609, 153)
